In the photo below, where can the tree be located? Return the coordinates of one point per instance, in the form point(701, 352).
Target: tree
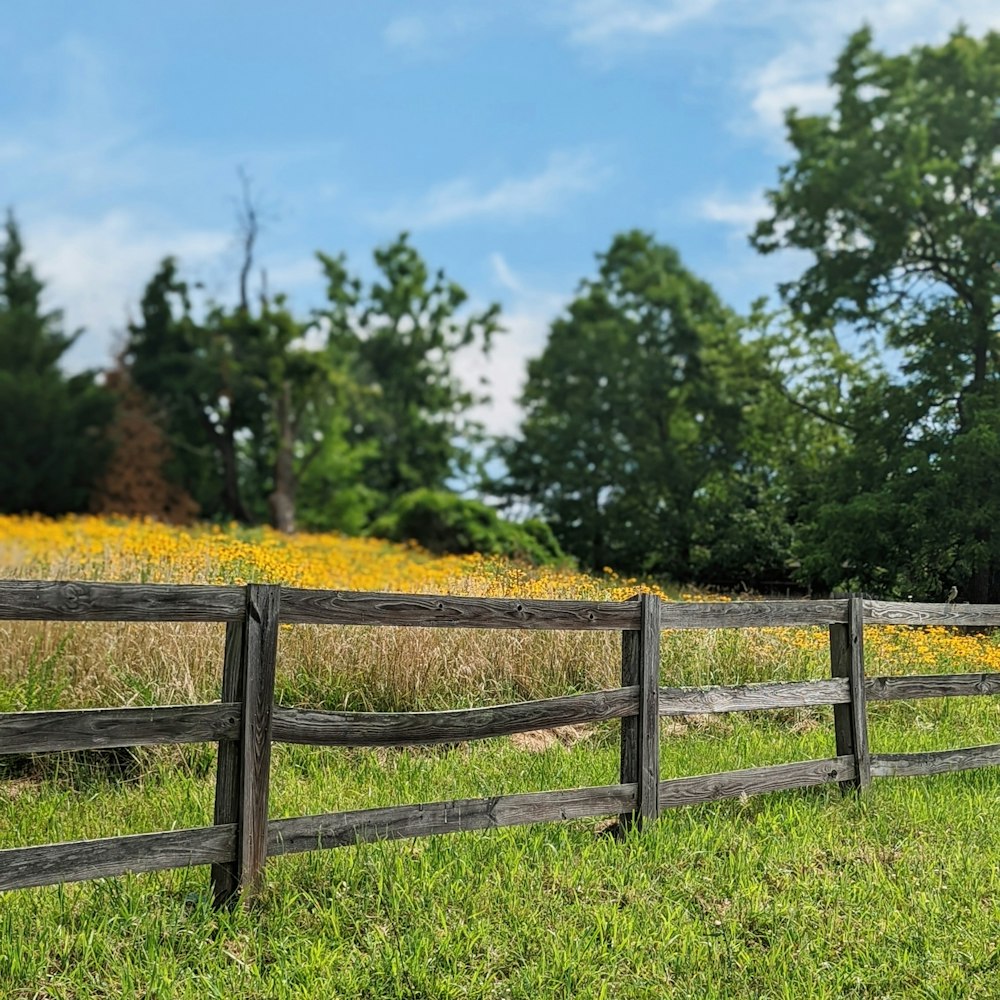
point(635, 417)
point(52, 445)
point(399, 339)
point(193, 371)
point(896, 196)
point(134, 483)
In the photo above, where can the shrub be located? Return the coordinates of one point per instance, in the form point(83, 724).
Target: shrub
point(446, 523)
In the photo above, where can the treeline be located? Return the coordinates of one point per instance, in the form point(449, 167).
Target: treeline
point(849, 437)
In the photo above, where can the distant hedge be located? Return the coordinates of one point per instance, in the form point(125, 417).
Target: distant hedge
point(445, 523)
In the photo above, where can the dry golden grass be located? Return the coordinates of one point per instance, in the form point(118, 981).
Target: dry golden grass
point(48, 665)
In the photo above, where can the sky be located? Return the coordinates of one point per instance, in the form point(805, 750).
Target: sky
point(512, 140)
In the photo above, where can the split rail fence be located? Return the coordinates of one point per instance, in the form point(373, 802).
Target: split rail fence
point(246, 721)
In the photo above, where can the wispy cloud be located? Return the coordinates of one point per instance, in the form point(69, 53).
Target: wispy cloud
point(792, 44)
point(742, 213)
point(813, 33)
point(611, 22)
point(514, 198)
point(435, 31)
point(407, 32)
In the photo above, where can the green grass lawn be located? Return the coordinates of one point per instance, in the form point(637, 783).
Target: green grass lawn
point(794, 894)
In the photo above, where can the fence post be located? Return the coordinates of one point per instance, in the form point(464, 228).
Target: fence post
point(227, 778)
point(243, 777)
point(850, 721)
point(640, 734)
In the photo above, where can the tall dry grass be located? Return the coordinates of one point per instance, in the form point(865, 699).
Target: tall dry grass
point(48, 665)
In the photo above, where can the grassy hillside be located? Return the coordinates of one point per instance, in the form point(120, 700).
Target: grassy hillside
point(801, 894)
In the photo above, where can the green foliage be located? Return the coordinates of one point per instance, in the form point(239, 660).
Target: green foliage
point(444, 522)
point(399, 339)
point(321, 421)
point(52, 448)
point(894, 196)
point(636, 419)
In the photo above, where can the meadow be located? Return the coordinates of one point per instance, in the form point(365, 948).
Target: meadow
point(801, 894)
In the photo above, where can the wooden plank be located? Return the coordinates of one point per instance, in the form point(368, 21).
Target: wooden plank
point(629, 754)
point(903, 613)
point(49, 864)
point(903, 765)
point(750, 697)
point(263, 608)
point(98, 728)
point(333, 607)
point(647, 808)
point(850, 721)
point(39, 600)
point(931, 686)
point(752, 614)
point(308, 833)
point(388, 729)
point(754, 781)
point(228, 785)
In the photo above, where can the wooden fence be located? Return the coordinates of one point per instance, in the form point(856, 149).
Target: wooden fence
point(246, 721)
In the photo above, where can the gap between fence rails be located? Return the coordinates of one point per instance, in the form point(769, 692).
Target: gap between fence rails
point(246, 722)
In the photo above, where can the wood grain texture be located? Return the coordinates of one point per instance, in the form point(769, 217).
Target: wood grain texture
point(98, 728)
point(85, 859)
point(36, 600)
point(905, 765)
point(931, 686)
point(902, 613)
point(307, 833)
point(754, 781)
point(750, 697)
point(389, 729)
point(332, 607)
point(261, 638)
point(850, 721)
point(628, 770)
point(751, 614)
point(228, 786)
point(647, 808)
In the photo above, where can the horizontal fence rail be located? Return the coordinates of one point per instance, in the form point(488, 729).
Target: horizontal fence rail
point(324, 607)
point(964, 615)
point(105, 728)
point(755, 781)
point(399, 729)
point(30, 600)
point(752, 614)
point(49, 864)
point(246, 721)
point(750, 697)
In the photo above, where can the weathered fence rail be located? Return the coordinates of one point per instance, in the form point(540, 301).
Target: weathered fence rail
point(246, 722)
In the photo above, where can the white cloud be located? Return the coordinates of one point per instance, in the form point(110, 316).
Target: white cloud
point(743, 213)
point(503, 274)
point(814, 33)
point(527, 315)
point(96, 269)
point(797, 40)
point(515, 198)
point(612, 22)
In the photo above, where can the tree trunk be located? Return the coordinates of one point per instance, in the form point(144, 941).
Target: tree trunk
point(282, 501)
point(231, 480)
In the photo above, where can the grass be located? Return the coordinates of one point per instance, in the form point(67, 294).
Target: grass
point(796, 894)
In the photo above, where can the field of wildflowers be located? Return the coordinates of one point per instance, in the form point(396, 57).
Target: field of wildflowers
point(51, 665)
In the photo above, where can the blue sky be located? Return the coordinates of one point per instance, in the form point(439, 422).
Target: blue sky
point(512, 139)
